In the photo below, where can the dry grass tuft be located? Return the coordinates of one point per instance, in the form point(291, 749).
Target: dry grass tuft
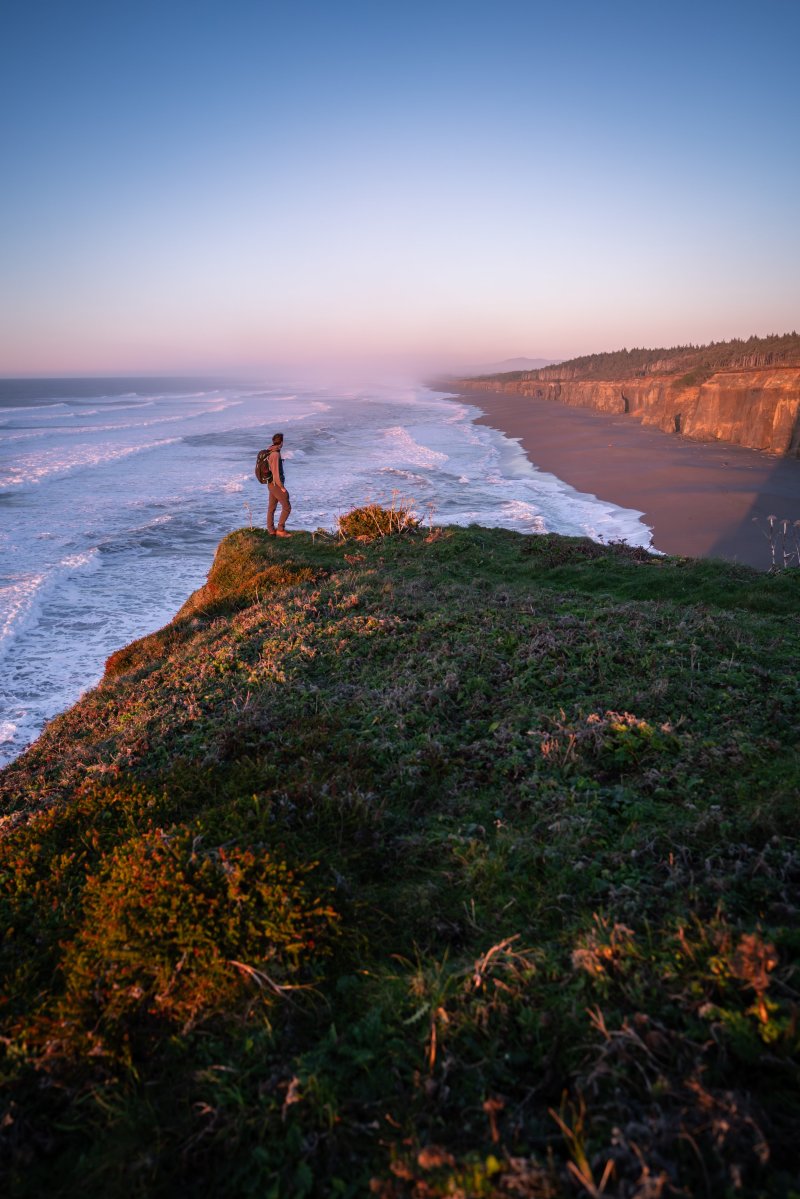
point(372, 521)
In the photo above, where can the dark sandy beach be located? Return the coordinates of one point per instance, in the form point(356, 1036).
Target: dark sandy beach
point(701, 499)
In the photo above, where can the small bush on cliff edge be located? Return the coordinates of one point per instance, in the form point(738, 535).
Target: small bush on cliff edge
point(373, 521)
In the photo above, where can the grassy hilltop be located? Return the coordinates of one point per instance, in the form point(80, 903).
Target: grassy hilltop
point(451, 864)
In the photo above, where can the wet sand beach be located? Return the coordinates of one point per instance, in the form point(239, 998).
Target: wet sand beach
point(701, 499)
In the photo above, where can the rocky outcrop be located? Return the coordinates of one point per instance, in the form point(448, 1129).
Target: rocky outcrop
point(756, 407)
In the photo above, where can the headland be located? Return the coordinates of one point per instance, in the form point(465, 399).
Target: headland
point(388, 860)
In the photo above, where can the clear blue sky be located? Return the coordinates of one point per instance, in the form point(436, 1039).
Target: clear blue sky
point(214, 184)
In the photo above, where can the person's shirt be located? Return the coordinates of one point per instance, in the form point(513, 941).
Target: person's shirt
point(276, 464)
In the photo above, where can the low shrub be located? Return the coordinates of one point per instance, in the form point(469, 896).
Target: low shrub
point(175, 933)
point(373, 521)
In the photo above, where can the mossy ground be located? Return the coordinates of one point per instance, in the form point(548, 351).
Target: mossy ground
point(463, 863)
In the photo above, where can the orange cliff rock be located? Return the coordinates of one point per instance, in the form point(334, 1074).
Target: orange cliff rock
point(754, 407)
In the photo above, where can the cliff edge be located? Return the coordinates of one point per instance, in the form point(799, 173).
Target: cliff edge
point(745, 393)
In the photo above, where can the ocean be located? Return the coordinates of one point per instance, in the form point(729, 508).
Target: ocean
point(115, 492)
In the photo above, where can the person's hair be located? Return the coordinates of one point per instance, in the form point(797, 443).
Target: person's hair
point(277, 437)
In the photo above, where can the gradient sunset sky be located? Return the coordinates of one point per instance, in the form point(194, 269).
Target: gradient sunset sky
point(198, 185)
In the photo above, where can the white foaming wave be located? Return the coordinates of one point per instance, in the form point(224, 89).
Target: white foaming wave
point(407, 476)
point(234, 485)
point(465, 415)
point(562, 509)
point(207, 397)
point(62, 653)
point(229, 486)
point(132, 531)
point(153, 523)
point(580, 513)
point(35, 434)
point(222, 406)
point(59, 462)
point(37, 411)
point(451, 408)
point(16, 600)
point(79, 430)
point(21, 597)
point(614, 526)
point(134, 424)
point(74, 415)
point(320, 406)
point(113, 405)
point(188, 395)
point(84, 558)
point(7, 731)
point(258, 421)
point(460, 413)
point(525, 514)
point(159, 397)
point(211, 404)
point(155, 420)
point(293, 418)
point(552, 504)
point(265, 394)
point(418, 455)
point(511, 492)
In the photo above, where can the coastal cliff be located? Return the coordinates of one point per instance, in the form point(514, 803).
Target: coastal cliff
point(759, 409)
point(387, 860)
point(746, 393)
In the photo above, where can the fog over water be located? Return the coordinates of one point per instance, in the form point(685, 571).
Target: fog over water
point(114, 494)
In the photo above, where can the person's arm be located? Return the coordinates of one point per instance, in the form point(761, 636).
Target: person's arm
point(274, 466)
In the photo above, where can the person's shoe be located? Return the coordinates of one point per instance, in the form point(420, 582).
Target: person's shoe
point(282, 533)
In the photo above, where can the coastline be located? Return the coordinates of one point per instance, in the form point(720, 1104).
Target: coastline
point(701, 499)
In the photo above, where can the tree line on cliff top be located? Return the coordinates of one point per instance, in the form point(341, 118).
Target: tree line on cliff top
point(772, 350)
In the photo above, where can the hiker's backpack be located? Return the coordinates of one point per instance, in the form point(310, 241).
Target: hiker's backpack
point(263, 473)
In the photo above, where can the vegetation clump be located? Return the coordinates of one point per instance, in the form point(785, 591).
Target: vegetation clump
point(373, 521)
point(455, 864)
point(173, 931)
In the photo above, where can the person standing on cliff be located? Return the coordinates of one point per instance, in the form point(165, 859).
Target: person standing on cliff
point(278, 495)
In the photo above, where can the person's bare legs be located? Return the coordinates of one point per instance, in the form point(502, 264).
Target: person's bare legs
point(278, 496)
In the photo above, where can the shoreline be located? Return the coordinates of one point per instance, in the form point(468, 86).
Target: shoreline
point(701, 499)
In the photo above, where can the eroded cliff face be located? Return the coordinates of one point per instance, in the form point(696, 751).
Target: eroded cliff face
point(757, 408)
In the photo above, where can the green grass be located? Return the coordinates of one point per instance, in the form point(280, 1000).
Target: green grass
point(453, 863)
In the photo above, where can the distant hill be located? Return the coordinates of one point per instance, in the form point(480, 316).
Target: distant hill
point(513, 364)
